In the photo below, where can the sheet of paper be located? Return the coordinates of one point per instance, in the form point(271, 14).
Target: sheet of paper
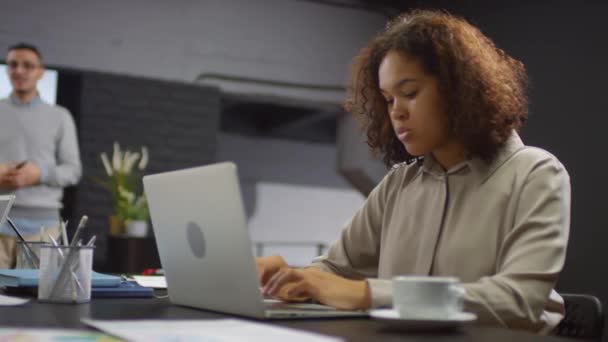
point(157, 282)
point(52, 335)
point(221, 330)
point(7, 300)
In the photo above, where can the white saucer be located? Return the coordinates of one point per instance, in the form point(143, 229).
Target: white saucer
point(391, 317)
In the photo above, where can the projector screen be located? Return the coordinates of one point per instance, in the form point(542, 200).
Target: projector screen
point(47, 86)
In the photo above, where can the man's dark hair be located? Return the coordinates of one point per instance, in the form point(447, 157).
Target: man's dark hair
point(26, 46)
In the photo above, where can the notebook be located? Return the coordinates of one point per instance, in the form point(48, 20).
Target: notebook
point(29, 278)
point(125, 289)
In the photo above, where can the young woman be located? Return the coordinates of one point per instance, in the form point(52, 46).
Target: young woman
point(465, 197)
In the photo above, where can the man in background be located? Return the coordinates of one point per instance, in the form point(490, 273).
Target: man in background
point(39, 153)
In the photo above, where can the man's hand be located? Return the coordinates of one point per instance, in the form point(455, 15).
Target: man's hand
point(291, 284)
point(4, 168)
point(28, 174)
point(268, 266)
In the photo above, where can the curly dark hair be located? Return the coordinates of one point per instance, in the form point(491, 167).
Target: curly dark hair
point(484, 87)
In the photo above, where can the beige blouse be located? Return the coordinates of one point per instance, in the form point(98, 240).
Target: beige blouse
point(502, 228)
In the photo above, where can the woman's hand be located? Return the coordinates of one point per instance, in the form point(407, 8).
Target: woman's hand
point(291, 284)
point(268, 266)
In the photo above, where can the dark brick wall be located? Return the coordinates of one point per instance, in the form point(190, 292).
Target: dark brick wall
point(177, 122)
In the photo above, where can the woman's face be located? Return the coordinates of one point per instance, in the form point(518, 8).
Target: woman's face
point(417, 109)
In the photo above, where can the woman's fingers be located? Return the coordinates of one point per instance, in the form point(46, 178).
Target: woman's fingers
point(301, 284)
point(268, 266)
point(276, 281)
point(293, 285)
point(263, 274)
point(279, 279)
point(265, 277)
point(299, 291)
point(270, 283)
point(298, 295)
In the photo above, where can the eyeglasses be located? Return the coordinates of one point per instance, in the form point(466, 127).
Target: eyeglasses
point(14, 65)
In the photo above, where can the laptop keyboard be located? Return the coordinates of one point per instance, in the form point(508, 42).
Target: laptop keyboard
point(273, 304)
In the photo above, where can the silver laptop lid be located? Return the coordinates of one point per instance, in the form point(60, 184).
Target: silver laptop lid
point(200, 228)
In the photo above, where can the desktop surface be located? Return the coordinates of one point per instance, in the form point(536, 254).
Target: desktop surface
point(47, 315)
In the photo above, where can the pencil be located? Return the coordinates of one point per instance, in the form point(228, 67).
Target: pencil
point(32, 257)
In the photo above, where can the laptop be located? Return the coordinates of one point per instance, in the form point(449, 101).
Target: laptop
point(201, 232)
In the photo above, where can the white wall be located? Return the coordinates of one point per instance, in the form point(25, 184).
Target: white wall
point(285, 40)
point(292, 213)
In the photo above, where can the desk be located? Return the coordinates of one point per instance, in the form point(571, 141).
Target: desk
point(35, 314)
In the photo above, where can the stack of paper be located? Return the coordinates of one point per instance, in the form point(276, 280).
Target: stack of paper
point(222, 330)
point(44, 335)
point(156, 282)
point(10, 301)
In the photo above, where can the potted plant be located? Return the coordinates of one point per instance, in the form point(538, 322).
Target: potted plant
point(124, 171)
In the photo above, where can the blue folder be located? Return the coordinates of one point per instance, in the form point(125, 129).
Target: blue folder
point(29, 278)
point(126, 289)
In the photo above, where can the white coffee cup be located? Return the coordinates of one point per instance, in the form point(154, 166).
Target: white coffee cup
point(419, 297)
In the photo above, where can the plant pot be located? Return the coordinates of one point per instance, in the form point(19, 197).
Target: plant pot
point(117, 226)
point(137, 228)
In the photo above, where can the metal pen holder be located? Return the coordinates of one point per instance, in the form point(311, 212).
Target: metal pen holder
point(65, 274)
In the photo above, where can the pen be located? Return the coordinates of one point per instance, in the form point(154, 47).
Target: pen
point(92, 241)
point(20, 164)
point(71, 254)
point(62, 257)
point(81, 224)
point(55, 244)
point(64, 233)
point(32, 257)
